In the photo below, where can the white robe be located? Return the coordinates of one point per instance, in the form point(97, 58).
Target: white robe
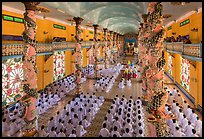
point(80, 131)
point(104, 132)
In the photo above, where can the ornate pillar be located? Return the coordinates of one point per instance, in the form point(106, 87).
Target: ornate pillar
point(151, 38)
point(78, 56)
point(96, 49)
point(111, 45)
point(28, 102)
point(105, 46)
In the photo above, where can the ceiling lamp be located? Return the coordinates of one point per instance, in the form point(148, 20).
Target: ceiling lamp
point(61, 11)
point(179, 3)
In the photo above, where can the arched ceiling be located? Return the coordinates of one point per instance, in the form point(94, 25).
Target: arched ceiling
point(121, 17)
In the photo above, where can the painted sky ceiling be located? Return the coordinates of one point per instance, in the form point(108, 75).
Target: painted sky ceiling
point(121, 17)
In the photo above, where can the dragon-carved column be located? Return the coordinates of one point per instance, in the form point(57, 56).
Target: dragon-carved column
point(111, 45)
point(105, 46)
point(78, 56)
point(28, 102)
point(96, 49)
point(151, 53)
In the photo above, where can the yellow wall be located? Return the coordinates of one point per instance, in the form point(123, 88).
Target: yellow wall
point(195, 22)
point(177, 68)
point(49, 66)
point(68, 67)
point(195, 76)
point(40, 73)
point(199, 82)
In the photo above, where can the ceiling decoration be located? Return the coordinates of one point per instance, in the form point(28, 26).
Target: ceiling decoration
point(109, 15)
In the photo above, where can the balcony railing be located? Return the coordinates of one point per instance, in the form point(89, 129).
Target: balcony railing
point(194, 50)
point(17, 49)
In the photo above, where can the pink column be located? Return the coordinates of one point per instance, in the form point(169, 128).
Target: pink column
point(105, 46)
point(78, 56)
point(28, 102)
point(96, 49)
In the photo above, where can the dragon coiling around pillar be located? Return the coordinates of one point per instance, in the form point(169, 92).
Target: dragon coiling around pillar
point(152, 60)
point(78, 54)
point(28, 102)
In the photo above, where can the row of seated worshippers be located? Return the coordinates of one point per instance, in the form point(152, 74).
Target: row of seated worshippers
point(53, 93)
point(106, 82)
point(75, 117)
point(124, 82)
point(125, 118)
point(186, 123)
point(11, 121)
point(88, 71)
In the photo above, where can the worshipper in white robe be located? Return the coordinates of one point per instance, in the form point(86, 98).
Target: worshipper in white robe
point(42, 132)
point(180, 116)
point(104, 132)
point(61, 133)
point(6, 115)
point(188, 112)
point(127, 134)
point(194, 134)
point(180, 100)
point(50, 124)
point(69, 128)
point(5, 128)
point(128, 82)
point(173, 91)
point(57, 117)
point(110, 117)
point(193, 118)
point(56, 97)
point(62, 94)
point(170, 99)
point(80, 131)
point(80, 114)
point(188, 129)
point(198, 124)
point(141, 133)
point(121, 84)
point(13, 128)
point(139, 127)
point(115, 132)
point(59, 126)
point(178, 132)
point(117, 123)
point(95, 105)
point(75, 121)
point(108, 125)
point(173, 126)
point(129, 125)
point(52, 133)
point(185, 105)
point(73, 134)
point(85, 123)
point(176, 94)
point(64, 111)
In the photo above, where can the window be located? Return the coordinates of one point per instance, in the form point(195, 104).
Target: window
point(185, 74)
point(12, 75)
point(170, 64)
point(59, 65)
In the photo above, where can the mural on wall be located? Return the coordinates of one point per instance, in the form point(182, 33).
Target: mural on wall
point(59, 65)
point(170, 64)
point(12, 76)
point(185, 74)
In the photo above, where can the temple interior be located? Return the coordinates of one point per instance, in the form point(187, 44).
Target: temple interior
point(101, 69)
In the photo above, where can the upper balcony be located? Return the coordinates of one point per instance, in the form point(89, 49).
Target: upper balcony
point(191, 51)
